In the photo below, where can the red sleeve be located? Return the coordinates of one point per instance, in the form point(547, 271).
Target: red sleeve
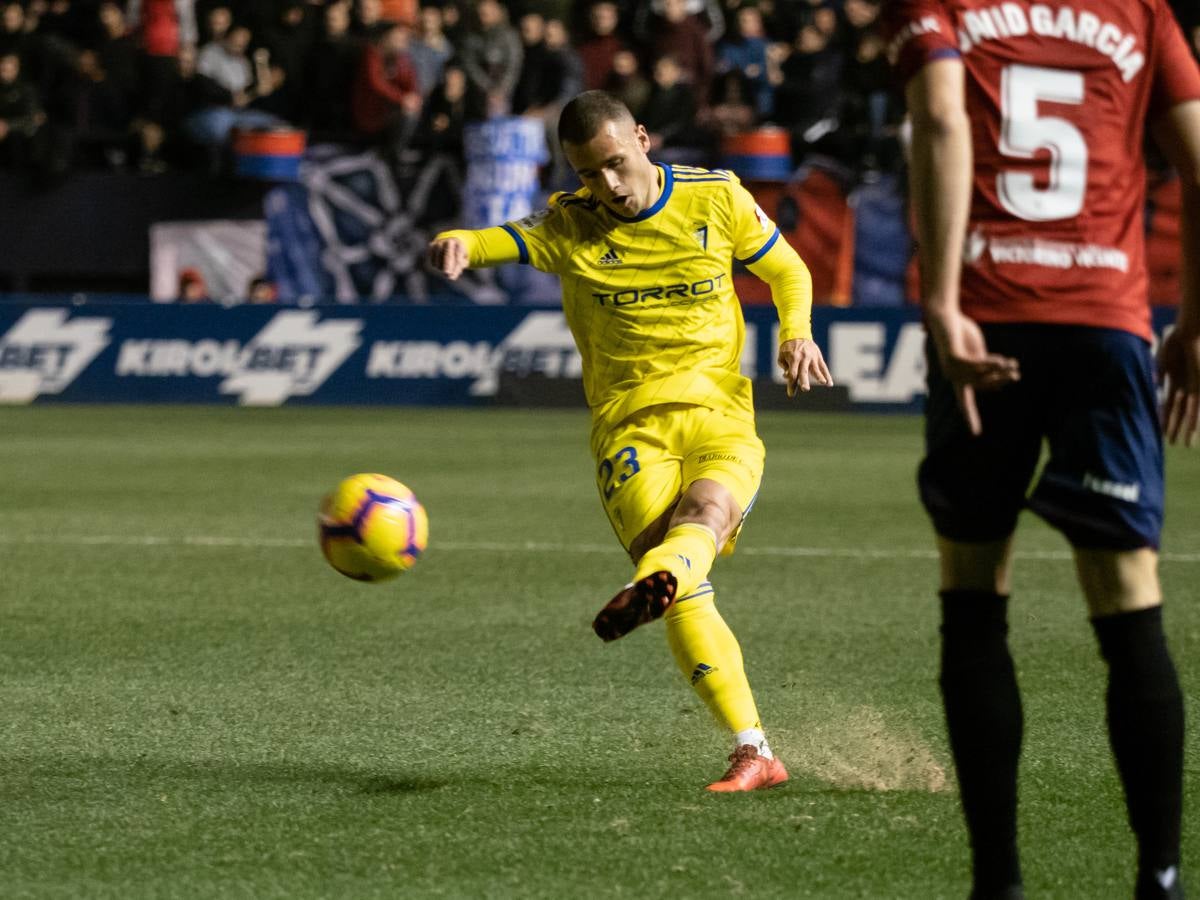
point(917, 32)
point(379, 83)
point(1176, 75)
point(406, 77)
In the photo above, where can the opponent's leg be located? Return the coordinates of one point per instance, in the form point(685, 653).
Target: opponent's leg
point(1103, 487)
point(983, 707)
point(708, 655)
point(1144, 704)
point(974, 487)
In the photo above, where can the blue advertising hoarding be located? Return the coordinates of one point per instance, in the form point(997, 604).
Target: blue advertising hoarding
point(387, 355)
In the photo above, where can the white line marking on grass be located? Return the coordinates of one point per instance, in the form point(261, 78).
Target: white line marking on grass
point(217, 541)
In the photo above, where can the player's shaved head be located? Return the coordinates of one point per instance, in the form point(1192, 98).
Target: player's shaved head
point(607, 149)
point(584, 116)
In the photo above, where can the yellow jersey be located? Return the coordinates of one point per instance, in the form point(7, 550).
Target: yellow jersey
point(650, 298)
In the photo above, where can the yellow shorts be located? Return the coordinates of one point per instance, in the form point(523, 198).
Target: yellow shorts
point(644, 464)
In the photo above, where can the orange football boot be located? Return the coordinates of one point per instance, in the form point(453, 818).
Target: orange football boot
point(749, 771)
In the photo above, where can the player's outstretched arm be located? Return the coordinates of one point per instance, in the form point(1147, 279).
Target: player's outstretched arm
point(1178, 134)
point(448, 255)
point(453, 252)
point(940, 185)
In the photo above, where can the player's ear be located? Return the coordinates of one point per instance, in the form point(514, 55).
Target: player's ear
point(643, 138)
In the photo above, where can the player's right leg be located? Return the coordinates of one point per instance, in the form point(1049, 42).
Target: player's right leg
point(677, 480)
point(1103, 488)
point(973, 489)
point(1144, 706)
point(639, 475)
point(672, 521)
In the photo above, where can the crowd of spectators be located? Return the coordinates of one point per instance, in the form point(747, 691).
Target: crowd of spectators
point(150, 84)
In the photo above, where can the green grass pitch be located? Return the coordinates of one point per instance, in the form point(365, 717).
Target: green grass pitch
point(195, 705)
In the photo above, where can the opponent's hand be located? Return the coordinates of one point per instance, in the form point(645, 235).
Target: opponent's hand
point(448, 256)
point(966, 363)
point(1179, 369)
point(802, 363)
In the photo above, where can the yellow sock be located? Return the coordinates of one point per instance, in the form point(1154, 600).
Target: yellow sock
point(687, 552)
point(708, 655)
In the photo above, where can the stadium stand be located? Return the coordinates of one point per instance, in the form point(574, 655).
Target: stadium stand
point(162, 88)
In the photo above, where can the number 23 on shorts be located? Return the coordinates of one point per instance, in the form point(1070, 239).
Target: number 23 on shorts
point(618, 469)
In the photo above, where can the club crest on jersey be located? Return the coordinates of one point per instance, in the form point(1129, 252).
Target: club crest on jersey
point(764, 221)
point(610, 259)
point(701, 236)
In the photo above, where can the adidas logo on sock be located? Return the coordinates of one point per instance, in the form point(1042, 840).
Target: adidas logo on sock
point(702, 670)
point(610, 258)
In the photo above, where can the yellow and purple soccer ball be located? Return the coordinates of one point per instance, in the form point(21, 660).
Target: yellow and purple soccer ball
point(372, 528)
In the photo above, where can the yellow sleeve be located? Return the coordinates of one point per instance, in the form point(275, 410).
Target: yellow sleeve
point(543, 239)
point(791, 288)
point(487, 246)
point(759, 246)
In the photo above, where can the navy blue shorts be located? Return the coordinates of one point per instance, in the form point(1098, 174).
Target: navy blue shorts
point(1089, 393)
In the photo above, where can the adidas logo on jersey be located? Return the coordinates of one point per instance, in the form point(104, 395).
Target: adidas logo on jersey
point(610, 258)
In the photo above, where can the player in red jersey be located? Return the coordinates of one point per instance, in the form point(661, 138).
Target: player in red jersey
point(1027, 183)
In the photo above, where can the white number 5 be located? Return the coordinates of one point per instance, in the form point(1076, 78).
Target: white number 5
point(1023, 132)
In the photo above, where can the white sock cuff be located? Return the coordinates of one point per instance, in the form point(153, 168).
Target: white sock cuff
point(755, 738)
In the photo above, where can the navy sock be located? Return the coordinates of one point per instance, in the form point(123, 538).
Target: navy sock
point(985, 725)
point(1145, 727)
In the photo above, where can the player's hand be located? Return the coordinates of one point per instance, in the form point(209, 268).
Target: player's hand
point(448, 256)
point(966, 363)
point(802, 364)
point(1179, 369)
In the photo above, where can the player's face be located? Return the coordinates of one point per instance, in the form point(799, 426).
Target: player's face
point(614, 166)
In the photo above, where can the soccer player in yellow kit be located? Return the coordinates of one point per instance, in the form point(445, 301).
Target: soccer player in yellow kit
point(645, 253)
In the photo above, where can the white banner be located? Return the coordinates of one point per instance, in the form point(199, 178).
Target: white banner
point(226, 254)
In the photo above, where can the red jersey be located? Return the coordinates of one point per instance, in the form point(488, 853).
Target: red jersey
point(160, 28)
point(1058, 94)
point(380, 90)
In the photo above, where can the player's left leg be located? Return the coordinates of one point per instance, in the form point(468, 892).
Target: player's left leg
point(982, 703)
point(709, 656)
point(973, 489)
point(722, 469)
